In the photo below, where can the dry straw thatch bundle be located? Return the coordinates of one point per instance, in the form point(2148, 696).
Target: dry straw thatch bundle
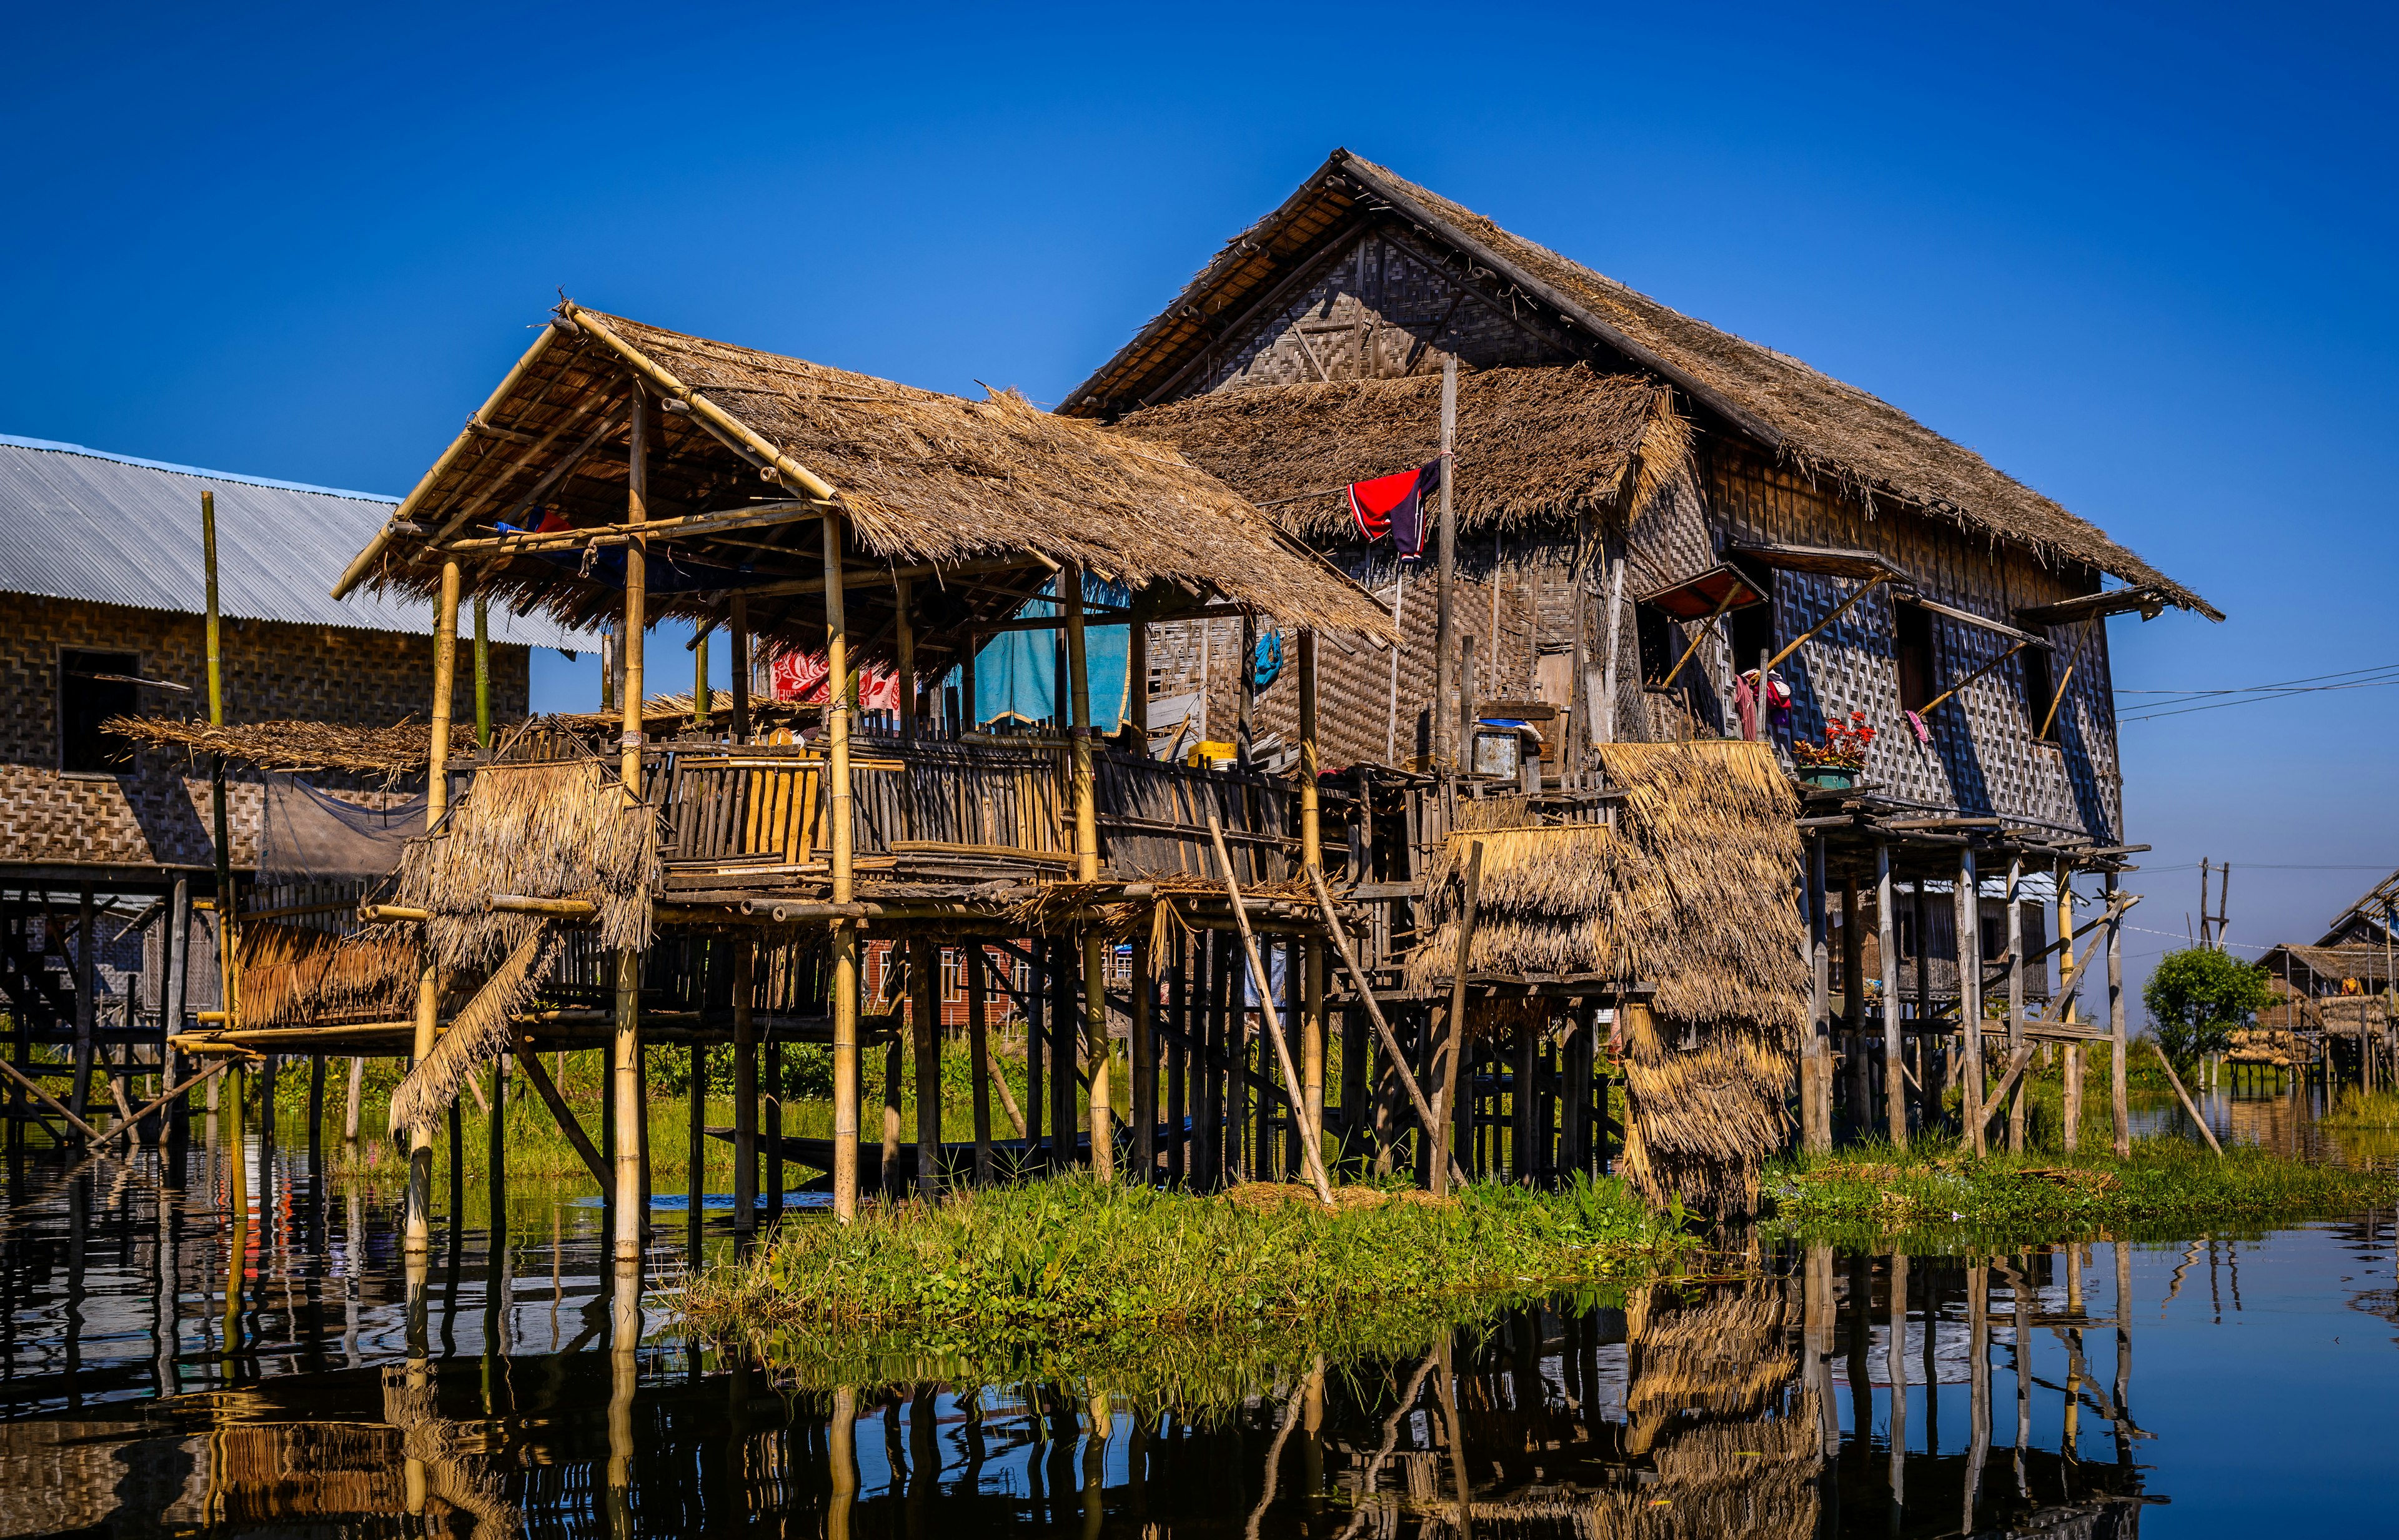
point(295, 746)
point(478, 1033)
point(292, 975)
point(553, 828)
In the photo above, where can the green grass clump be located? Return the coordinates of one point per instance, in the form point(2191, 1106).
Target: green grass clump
point(2365, 1109)
point(1030, 1261)
point(1874, 1191)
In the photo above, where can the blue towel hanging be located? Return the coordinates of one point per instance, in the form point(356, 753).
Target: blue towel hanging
point(1267, 665)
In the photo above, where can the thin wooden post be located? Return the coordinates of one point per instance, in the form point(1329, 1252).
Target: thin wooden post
point(2015, 998)
point(86, 1006)
point(1142, 1051)
point(496, 1149)
point(974, 960)
point(1065, 1028)
point(738, 629)
point(625, 1038)
point(1453, 1046)
point(1446, 570)
point(695, 1176)
point(925, 1032)
point(171, 1002)
point(844, 932)
point(418, 1236)
point(895, 1076)
point(1087, 868)
point(2119, 1106)
point(483, 671)
point(1311, 856)
point(1894, 1065)
point(350, 1104)
point(1928, 1096)
point(1816, 1080)
point(2070, 1136)
point(701, 706)
point(1970, 993)
point(316, 1110)
point(1036, 1042)
point(903, 636)
point(1853, 1006)
point(745, 1078)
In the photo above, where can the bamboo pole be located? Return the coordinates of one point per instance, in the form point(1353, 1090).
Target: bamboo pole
point(1816, 1087)
point(1144, 1056)
point(2070, 1136)
point(979, 1065)
point(738, 627)
point(1894, 1067)
point(482, 671)
point(1087, 868)
point(745, 1087)
point(1308, 1144)
point(418, 1223)
point(904, 643)
point(2119, 1106)
point(228, 929)
point(1396, 1056)
point(925, 1032)
point(1453, 1045)
point(1311, 856)
point(1446, 572)
point(700, 705)
point(2015, 997)
point(625, 1039)
point(1970, 988)
point(844, 932)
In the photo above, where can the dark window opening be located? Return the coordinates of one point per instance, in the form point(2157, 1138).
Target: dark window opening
point(1912, 644)
point(1661, 643)
point(1753, 635)
point(87, 699)
point(2041, 694)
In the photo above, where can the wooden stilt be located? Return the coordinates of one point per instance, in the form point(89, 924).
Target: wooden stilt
point(1816, 1077)
point(1142, 1054)
point(1970, 996)
point(1266, 993)
point(1036, 1044)
point(844, 932)
point(1445, 1105)
point(1927, 1106)
point(2015, 998)
point(895, 1079)
point(1311, 857)
point(695, 1183)
point(979, 1065)
point(496, 1156)
point(1853, 1006)
point(1065, 1028)
point(625, 1038)
point(774, 1132)
point(737, 629)
point(745, 1087)
point(316, 1110)
point(1894, 1063)
point(1445, 753)
point(925, 1030)
point(85, 1006)
point(355, 1093)
point(417, 1224)
point(177, 981)
point(2119, 1106)
point(1087, 868)
point(1178, 1056)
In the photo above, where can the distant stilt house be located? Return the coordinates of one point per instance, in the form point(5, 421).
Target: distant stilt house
point(2338, 988)
point(101, 843)
point(1647, 509)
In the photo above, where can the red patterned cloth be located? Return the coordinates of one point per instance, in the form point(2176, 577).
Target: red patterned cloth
point(801, 676)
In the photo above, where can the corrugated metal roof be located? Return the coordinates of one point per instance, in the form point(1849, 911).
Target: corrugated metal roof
point(79, 523)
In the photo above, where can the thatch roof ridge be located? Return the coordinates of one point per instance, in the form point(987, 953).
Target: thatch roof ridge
point(1819, 424)
point(1543, 441)
point(929, 477)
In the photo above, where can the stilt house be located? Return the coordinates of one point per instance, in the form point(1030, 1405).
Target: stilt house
point(1646, 509)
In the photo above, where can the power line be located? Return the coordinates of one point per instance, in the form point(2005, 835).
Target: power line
point(2255, 698)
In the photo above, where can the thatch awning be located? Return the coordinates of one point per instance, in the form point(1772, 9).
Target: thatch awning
point(977, 503)
point(1535, 444)
point(296, 747)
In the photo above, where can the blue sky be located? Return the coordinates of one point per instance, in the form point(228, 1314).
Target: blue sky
point(2139, 257)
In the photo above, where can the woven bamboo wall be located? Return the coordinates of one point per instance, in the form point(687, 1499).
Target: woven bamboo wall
point(1983, 757)
point(156, 812)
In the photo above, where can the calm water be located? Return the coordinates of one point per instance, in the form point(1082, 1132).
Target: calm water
point(2217, 1386)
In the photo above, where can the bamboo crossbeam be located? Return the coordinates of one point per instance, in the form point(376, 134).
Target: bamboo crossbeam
point(1929, 706)
point(1399, 1059)
point(1839, 610)
point(568, 1124)
point(568, 908)
point(48, 1101)
point(391, 913)
point(685, 527)
point(2175, 1081)
point(1308, 1139)
point(1732, 591)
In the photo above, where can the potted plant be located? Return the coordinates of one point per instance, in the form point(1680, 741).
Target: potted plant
point(1835, 763)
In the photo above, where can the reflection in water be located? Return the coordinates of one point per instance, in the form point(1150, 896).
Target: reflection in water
point(530, 1386)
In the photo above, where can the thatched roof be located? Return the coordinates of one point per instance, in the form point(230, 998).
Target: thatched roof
point(1544, 443)
point(925, 479)
point(1805, 417)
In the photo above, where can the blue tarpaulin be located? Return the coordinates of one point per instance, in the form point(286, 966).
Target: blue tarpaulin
point(1017, 672)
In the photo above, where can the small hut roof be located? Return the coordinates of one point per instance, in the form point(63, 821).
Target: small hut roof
point(1809, 418)
point(1543, 441)
point(925, 479)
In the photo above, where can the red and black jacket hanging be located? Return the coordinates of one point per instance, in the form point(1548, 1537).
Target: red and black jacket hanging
point(1394, 506)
